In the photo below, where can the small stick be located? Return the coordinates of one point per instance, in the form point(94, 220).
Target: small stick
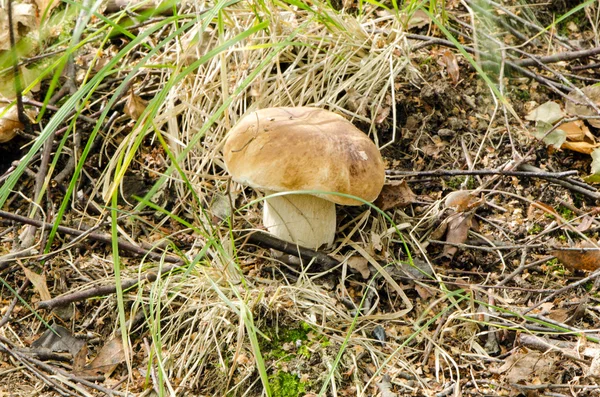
point(104, 238)
point(103, 290)
point(525, 174)
point(567, 287)
point(266, 240)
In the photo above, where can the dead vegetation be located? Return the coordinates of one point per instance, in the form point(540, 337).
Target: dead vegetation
point(132, 265)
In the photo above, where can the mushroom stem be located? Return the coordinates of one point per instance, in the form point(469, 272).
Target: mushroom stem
point(301, 219)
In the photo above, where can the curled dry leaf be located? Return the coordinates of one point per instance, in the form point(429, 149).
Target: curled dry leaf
point(588, 258)
point(417, 19)
point(448, 59)
point(135, 106)
point(395, 195)
point(463, 200)
point(579, 137)
point(576, 105)
point(111, 355)
point(39, 283)
point(385, 387)
point(457, 232)
point(24, 15)
point(9, 123)
point(361, 265)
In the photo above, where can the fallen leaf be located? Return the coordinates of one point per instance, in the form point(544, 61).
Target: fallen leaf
point(417, 19)
point(24, 16)
point(59, 340)
point(555, 138)
point(587, 258)
point(395, 195)
point(448, 59)
point(385, 387)
point(361, 265)
point(581, 108)
point(80, 359)
point(357, 103)
point(462, 200)
point(595, 167)
point(586, 222)
point(528, 366)
point(9, 123)
point(459, 225)
point(39, 283)
point(549, 112)
point(45, 7)
point(135, 106)
point(580, 147)
point(579, 138)
point(111, 355)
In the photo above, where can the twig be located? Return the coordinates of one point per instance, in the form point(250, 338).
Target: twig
point(6, 318)
point(266, 240)
point(57, 371)
point(16, 73)
point(561, 56)
point(104, 290)
point(568, 287)
point(526, 174)
point(104, 238)
point(567, 183)
point(487, 249)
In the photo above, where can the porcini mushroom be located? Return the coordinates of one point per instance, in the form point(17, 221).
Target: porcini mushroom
point(303, 148)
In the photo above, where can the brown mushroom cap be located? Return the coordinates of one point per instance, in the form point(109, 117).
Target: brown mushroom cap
point(304, 148)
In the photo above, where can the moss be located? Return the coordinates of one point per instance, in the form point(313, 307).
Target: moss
point(535, 229)
point(565, 212)
point(274, 348)
point(523, 95)
point(284, 384)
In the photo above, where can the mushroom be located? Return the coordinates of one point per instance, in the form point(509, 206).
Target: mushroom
point(303, 148)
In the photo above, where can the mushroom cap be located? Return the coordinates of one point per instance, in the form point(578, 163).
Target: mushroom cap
point(304, 148)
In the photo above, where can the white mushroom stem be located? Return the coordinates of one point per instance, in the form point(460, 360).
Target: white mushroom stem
point(301, 219)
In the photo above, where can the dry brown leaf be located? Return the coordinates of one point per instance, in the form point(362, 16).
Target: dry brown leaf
point(576, 131)
point(425, 292)
point(462, 200)
point(385, 387)
point(361, 265)
point(46, 6)
point(80, 359)
point(39, 283)
point(593, 93)
point(459, 225)
point(418, 19)
point(448, 59)
point(24, 16)
point(527, 367)
point(580, 147)
point(135, 106)
point(395, 195)
point(356, 102)
point(111, 355)
point(9, 123)
point(586, 222)
point(586, 259)
point(579, 137)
